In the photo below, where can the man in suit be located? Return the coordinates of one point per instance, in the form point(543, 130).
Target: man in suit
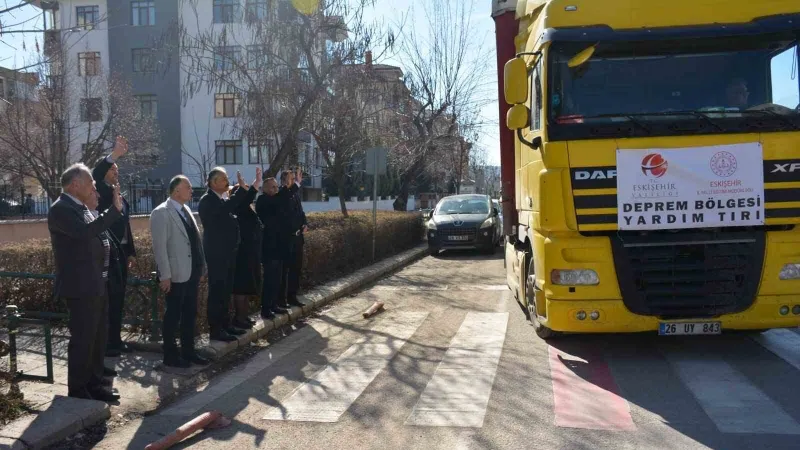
point(295, 225)
point(180, 262)
point(106, 175)
point(272, 213)
point(221, 244)
point(82, 254)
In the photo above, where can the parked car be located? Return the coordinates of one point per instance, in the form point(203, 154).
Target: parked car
point(464, 222)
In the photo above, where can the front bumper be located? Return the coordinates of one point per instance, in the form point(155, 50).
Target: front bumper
point(476, 238)
point(616, 318)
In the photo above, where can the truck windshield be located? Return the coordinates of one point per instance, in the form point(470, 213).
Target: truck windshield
point(721, 85)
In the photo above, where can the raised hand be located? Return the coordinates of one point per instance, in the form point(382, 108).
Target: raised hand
point(120, 147)
point(117, 198)
point(298, 175)
point(240, 179)
point(257, 181)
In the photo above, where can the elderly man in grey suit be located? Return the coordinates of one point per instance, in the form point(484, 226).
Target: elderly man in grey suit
point(180, 261)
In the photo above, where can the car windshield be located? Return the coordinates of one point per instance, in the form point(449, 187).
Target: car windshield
point(743, 79)
point(463, 206)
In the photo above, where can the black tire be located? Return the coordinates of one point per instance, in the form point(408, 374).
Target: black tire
point(542, 331)
point(433, 251)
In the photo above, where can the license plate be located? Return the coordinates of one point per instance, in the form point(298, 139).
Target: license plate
point(458, 238)
point(688, 328)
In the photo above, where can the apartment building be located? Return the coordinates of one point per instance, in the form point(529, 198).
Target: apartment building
point(137, 39)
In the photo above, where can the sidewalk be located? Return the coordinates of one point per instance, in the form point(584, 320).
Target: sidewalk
point(143, 382)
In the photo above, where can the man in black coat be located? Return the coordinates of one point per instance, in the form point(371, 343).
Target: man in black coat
point(272, 212)
point(82, 259)
point(221, 244)
point(106, 175)
point(294, 226)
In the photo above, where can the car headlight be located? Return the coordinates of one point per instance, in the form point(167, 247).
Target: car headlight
point(577, 277)
point(431, 225)
point(790, 272)
point(487, 223)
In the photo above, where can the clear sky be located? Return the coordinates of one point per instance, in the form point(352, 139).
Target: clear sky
point(16, 50)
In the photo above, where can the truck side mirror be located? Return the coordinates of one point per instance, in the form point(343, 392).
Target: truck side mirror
point(515, 84)
point(495, 212)
point(517, 117)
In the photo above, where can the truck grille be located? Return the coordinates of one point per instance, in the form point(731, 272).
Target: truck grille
point(683, 275)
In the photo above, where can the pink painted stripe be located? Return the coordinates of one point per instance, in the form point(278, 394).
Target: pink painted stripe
point(586, 395)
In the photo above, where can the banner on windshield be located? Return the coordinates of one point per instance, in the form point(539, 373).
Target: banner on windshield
point(701, 187)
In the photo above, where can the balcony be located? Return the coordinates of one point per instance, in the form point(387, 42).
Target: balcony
point(52, 42)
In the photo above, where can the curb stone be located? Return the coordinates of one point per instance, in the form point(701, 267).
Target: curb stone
point(314, 299)
point(58, 419)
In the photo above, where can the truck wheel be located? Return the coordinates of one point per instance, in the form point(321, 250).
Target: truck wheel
point(542, 331)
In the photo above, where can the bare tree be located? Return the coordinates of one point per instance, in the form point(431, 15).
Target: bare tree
point(446, 74)
point(269, 65)
point(64, 119)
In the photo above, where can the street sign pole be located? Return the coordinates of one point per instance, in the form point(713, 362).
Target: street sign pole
point(374, 205)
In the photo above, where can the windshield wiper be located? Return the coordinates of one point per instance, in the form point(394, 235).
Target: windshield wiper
point(771, 113)
point(631, 117)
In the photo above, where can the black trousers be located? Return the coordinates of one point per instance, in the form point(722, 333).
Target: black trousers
point(88, 329)
point(221, 273)
point(181, 313)
point(117, 284)
point(273, 270)
point(292, 266)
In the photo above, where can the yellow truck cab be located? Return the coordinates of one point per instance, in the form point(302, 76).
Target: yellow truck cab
point(656, 155)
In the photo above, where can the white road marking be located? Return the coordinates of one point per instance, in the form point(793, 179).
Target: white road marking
point(391, 287)
point(782, 342)
point(458, 394)
point(729, 399)
point(329, 393)
point(215, 390)
point(461, 287)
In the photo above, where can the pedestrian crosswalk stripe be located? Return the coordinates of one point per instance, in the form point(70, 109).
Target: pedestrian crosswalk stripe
point(458, 394)
point(233, 379)
point(784, 343)
point(729, 399)
point(329, 393)
point(585, 394)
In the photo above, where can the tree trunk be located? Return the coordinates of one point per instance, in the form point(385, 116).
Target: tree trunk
point(340, 184)
point(408, 177)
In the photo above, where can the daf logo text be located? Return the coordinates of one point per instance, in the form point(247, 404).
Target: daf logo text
point(786, 168)
point(605, 174)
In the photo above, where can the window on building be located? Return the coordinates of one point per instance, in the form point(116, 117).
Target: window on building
point(91, 110)
point(88, 16)
point(261, 152)
point(143, 60)
point(257, 10)
point(226, 58)
point(148, 106)
point(256, 57)
point(229, 152)
point(226, 105)
point(227, 11)
point(143, 13)
point(88, 64)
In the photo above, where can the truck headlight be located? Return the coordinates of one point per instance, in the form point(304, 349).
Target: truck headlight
point(431, 225)
point(790, 272)
point(488, 223)
point(575, 277)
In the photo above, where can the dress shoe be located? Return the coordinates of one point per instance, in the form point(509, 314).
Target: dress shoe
point(109, 372)
point(269, 315)
point(104, 395)
point(176, 361)
point(222, 336)
point(243, 325)
point(196, 360)
point(280, 310)
point(295, 302)
point(235, 331)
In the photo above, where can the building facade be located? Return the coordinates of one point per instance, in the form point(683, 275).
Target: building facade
point(140, 41)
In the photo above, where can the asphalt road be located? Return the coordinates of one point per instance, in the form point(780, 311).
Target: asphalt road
point(452, 363)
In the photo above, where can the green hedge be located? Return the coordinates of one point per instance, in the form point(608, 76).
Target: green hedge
point(335, 246)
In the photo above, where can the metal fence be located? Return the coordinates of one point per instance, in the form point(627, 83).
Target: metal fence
point(16, 203)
